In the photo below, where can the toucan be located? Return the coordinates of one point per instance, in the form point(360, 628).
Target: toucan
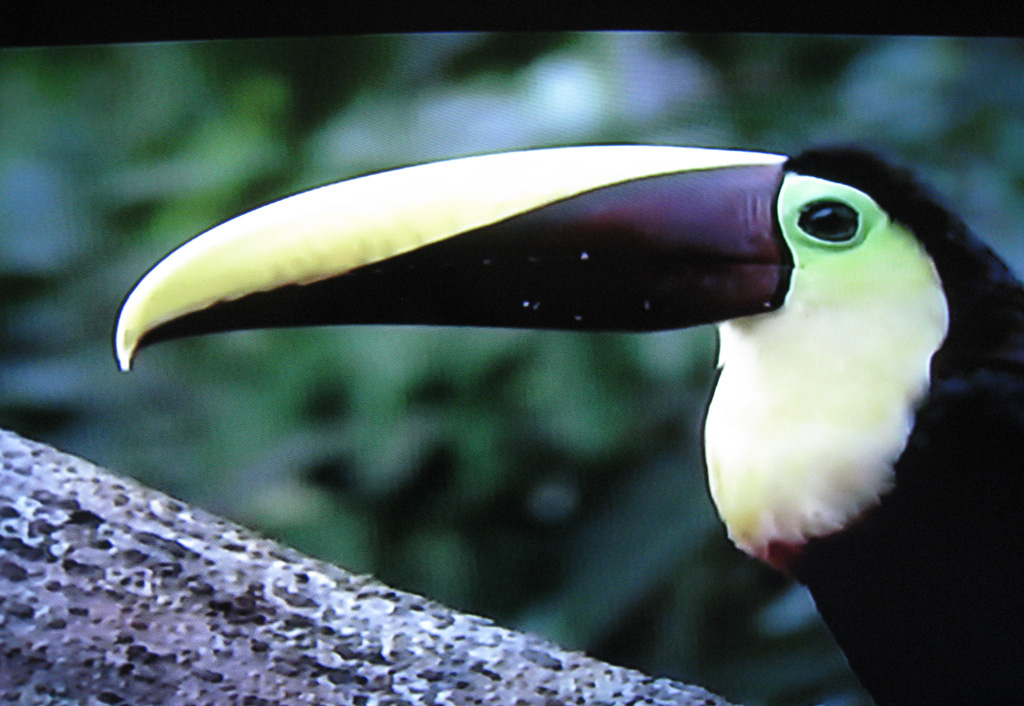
point(866, 431)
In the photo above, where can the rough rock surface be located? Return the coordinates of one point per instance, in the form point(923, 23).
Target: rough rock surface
point(112, 593)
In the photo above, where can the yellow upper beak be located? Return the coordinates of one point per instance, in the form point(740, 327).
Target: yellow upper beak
point(333, 229)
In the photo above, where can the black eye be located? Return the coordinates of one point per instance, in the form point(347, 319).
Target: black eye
point(833, 221)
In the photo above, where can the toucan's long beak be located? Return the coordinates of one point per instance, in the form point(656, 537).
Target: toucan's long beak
point(608, 237)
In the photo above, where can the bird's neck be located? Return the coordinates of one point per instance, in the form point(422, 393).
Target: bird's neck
point(940, 556)
point(813, 407)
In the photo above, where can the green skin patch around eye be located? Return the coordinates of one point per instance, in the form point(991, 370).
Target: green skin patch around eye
point(816, 400)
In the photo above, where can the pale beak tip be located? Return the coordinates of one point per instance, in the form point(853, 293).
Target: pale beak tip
point(124, 348)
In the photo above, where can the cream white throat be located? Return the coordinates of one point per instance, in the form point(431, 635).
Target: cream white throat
point(816, 400)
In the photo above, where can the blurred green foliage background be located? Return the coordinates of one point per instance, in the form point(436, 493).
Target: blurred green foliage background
point(549, 481)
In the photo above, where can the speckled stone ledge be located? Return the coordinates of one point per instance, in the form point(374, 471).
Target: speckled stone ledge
point(112, 593)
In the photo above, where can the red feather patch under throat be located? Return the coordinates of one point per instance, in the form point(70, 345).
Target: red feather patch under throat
point(781, 555)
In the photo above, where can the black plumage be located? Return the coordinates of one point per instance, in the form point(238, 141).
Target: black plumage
point(925, 593)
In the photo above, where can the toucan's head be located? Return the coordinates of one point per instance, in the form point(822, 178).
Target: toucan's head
point(832, 308)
